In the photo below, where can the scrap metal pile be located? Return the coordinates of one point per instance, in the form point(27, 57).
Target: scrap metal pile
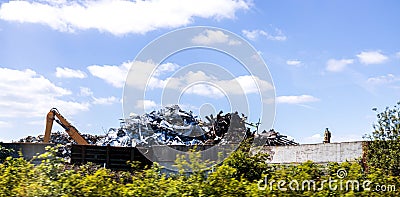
point(60, 138)
point(273, 138)
point(174, 126)
point(63, 139)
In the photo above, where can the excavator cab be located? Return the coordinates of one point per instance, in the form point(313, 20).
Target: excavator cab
point(54, 115)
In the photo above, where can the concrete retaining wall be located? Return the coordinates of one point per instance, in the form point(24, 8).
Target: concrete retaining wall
point(318, 153)
point(28, 150)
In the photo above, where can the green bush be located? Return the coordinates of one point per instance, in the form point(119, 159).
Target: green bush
point(55, 178)
point(241, 174)
point(383, 149)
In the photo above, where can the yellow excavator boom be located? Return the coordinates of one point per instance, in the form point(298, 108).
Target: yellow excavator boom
point(54, 115)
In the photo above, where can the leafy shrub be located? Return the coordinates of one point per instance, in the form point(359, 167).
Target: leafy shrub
point(241, 174)
point(383, 149)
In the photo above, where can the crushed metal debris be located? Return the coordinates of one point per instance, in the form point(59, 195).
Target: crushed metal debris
point(273, 138)
point(62, 139)
point(174, 126)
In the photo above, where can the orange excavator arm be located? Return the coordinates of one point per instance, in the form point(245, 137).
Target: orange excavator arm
point(54, 115)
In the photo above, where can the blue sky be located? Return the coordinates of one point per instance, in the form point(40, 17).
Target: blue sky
point(331, 61)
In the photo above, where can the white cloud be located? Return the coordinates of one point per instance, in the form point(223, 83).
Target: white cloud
point(117, 75)
point(105, 101)
point(85, 91)
point(24, 93)
point(205, 90)
point(385, 79)
point(4, 124)
point(371, 57)
point(69, 73)
point(119, 16)
point(296, 99)
point(334, 65)
point(114, 75)
point(144, 75)
point(209, 37)
point(314, 139)
point(249, 84)
point(398, 54)
point(258, 56)
point(254, 34)
point(165, 68)
point(293, 62)
point(318, 138)
point(211, 86)
point(3, 140)
point(346, 138)
point(146, 104)
point(36, 122)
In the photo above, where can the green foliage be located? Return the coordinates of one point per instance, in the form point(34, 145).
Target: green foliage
point(241, 174)
point(14, 173)
point(247, 165)
point(54, 178)
point(383, 149)
point(4, 153)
